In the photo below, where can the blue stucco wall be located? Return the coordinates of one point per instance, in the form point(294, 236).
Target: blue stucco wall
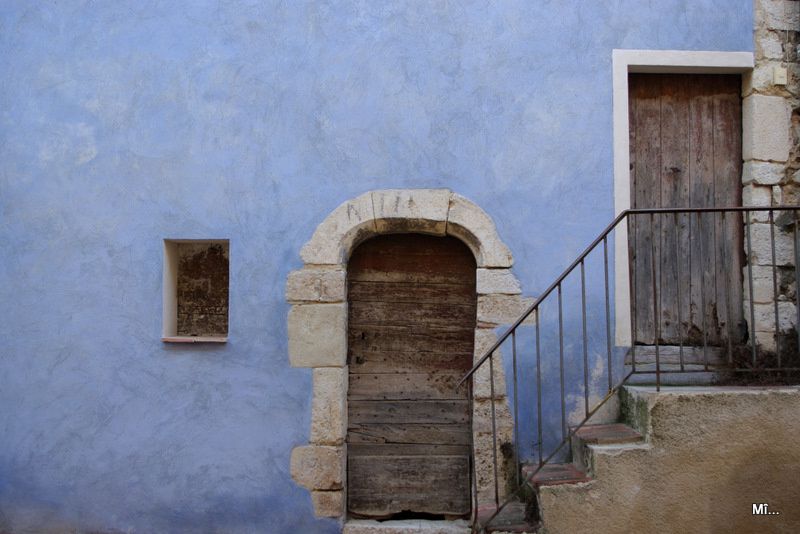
point(124, 123)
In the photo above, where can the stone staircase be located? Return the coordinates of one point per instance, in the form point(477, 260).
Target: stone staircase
point(521, 517)
point(687, 459)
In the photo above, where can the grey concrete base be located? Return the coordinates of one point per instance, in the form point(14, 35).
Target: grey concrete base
point(697, 376)
point(405, 526)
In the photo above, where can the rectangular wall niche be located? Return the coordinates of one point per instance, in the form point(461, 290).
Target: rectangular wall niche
point(196, 278)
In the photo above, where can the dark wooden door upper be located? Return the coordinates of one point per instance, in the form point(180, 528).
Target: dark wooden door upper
point(685, 148)
point(412, 306)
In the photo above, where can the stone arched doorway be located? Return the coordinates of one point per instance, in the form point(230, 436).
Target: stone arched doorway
point(317, 325)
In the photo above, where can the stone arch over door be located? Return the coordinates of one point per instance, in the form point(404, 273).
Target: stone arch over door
point(317, 325)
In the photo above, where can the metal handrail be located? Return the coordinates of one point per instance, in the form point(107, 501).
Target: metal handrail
point(580, 263)
point(604, 234)
point(543, 296)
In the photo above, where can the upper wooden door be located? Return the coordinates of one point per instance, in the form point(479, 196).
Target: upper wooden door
point(412, 306)
point(685, 139)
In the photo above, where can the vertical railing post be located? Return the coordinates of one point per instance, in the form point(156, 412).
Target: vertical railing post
point(540, 442)
point(656, 307)
point(752, 329)
point(494, 431)
point(473, 467)
point(632, 291)
point(703, 288)
point(561, 363)
point(796, 278)
point(679, 284)
point(585, 341)
point(608, 313)
point(727, 258)
point(775, 285)
point(516, 404)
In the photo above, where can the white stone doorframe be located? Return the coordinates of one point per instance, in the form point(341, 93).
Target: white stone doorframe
point(317, 325)
point(655, 61)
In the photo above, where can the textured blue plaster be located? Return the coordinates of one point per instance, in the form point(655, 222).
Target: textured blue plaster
point(122, 124)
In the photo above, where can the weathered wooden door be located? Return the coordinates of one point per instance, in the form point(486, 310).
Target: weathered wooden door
point(411, 326)
point(685, 148)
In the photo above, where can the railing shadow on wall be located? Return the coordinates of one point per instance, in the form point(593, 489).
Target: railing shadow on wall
point(698, 290)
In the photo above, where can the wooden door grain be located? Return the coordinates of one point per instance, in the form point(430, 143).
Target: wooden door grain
point(685, 149)
point(412, 307)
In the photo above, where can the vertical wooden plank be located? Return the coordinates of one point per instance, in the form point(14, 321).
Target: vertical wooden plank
point(701, 169)
point(683, 200)
point(674, 193)
point(646, 175)
point(728, 192)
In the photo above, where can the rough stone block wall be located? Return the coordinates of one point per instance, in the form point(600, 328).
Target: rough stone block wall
point(202, 289)
point(771, 172)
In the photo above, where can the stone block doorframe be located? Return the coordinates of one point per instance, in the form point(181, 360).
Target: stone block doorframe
point(317, 326)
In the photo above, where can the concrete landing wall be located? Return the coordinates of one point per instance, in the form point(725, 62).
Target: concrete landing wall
point(710, 454)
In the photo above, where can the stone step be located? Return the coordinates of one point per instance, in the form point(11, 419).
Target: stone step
point(607, 459)
point(672, 355)
point(606, 434)
point(513, 518)
point(555, 474)
point(405, 526)
point(697, 375)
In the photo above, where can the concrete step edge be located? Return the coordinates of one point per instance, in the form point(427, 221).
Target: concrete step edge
point(405, 526)
point(615, 449)
point(578, 445)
